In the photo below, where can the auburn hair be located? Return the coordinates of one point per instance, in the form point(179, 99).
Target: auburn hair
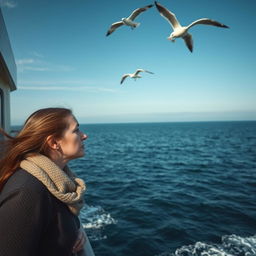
point(31, 139)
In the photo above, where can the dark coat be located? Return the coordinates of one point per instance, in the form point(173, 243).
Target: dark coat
point(32, 221)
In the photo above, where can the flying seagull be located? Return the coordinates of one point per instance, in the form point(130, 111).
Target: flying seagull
point(129, 20)
point(134, 75)
point(182, 31)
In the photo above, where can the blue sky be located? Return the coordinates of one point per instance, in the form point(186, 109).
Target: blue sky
point(64, 59)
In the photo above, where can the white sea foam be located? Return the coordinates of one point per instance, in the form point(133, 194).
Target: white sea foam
point(240, 245)
point(232, 245)
point(95, 217)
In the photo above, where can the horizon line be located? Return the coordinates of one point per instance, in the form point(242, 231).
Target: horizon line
point(159, 122)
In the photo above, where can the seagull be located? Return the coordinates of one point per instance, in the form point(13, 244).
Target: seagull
point(129, 20)
point(134, 75)
point(182, 31)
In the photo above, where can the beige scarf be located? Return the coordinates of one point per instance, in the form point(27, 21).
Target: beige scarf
point(62, 184)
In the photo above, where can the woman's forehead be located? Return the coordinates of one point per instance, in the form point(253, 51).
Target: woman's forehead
point(72, 121)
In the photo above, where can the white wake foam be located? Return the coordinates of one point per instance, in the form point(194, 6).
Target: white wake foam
point(232, 245)
point(94, 219)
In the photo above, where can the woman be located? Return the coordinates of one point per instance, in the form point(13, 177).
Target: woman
point(40, 198)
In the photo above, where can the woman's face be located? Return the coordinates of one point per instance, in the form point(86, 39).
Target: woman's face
point(71, 144)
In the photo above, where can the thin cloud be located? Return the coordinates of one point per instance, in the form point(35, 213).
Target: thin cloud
point(58, 83)
point(37, 54)
point(36, 64)
point(48, 88)
point(24, 61)
point(40, 69)
point(65, 88)
point(7, 4)
point(67, 85)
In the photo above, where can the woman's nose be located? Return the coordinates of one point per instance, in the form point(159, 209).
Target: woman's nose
point(84, 136)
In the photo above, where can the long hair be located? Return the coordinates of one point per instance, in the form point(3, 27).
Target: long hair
point(31, 139)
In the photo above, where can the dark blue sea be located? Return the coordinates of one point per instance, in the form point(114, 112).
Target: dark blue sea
point(158, 189)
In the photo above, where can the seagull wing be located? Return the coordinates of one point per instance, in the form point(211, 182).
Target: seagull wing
point(113, 27)
point(149, 72)
point(138, 71)
point(136, 12)
point(123, 78)
point(206, 21)
point(171, 18)
point(189, 41)
point(142, 70)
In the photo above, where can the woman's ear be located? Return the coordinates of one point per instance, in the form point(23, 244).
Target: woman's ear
point(52, 143)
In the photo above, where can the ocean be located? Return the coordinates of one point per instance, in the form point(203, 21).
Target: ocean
point(165, 189)
point(158, 189)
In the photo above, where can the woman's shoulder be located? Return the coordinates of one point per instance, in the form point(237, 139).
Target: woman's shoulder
point(23, 182)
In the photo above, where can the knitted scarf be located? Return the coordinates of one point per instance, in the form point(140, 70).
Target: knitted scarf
point(62, 184)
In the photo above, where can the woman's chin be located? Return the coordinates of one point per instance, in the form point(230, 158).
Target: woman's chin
point(82, 153)
point(78, 155)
